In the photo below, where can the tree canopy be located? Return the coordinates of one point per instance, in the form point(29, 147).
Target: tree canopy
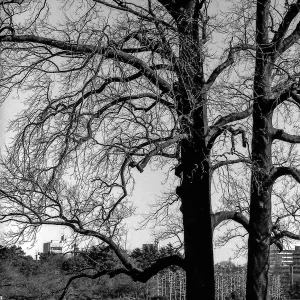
point(106, 96)
point(113, 87)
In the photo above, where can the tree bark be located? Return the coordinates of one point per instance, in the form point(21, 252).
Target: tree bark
point(260, 216)
point(195, 176)
point(196, 219)
point(260, 194)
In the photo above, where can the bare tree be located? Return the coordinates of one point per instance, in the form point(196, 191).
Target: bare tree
point(112, 86)
point(274, 151)
point(277, 35)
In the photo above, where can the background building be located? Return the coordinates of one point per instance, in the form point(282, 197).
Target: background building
point(52, 247)
point(286, 264)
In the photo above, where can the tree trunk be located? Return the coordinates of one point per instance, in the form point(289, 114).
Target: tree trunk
point(260, 195)
point(260, 220)
point(194, 190)
point(196, 208)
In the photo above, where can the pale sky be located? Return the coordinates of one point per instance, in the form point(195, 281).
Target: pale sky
point(148, 185)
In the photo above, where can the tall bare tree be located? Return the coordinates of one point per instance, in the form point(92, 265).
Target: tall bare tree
point(274, 196)
point(111, 86)
point(277, 35)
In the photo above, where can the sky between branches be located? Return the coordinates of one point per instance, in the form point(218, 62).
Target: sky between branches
point(148, 184)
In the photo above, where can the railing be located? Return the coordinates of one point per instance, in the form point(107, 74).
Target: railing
point(171, 285)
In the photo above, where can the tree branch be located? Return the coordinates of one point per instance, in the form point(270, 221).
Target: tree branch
point(9, 28)
point(154, 45)
point(219, 217)
point(90, 276)
point(279, 234)
point(135, 274)
point(172, 7)
point(288, 234)
point(290, 40)
point(158, 148)
point(75, 225)
point(233, 117)
point(284, 26)
point(107, 52)
point(281, 135)
point(235, 132)
point(230, 162)
point(283, 93)
point(283, 171)
point(123, 7)
point(219, 126)
point(3, 2)
point(229, 61)
point(213, 134)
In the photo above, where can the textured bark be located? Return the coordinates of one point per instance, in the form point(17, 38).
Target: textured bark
point(192, 105)
point(260, 195)
point(196, 217)
point(260, 225)
point(264, 173)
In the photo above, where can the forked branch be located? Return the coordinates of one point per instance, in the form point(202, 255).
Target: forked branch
point(284, 171)
point(135, 274)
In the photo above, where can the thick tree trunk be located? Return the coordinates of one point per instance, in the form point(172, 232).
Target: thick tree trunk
point(260, 218)
point(194, 190)
point(260, 195)
point(196, 209)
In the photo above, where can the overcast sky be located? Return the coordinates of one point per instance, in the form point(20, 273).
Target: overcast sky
point(148, 185)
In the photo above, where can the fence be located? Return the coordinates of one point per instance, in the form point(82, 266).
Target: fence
point(171, 285)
